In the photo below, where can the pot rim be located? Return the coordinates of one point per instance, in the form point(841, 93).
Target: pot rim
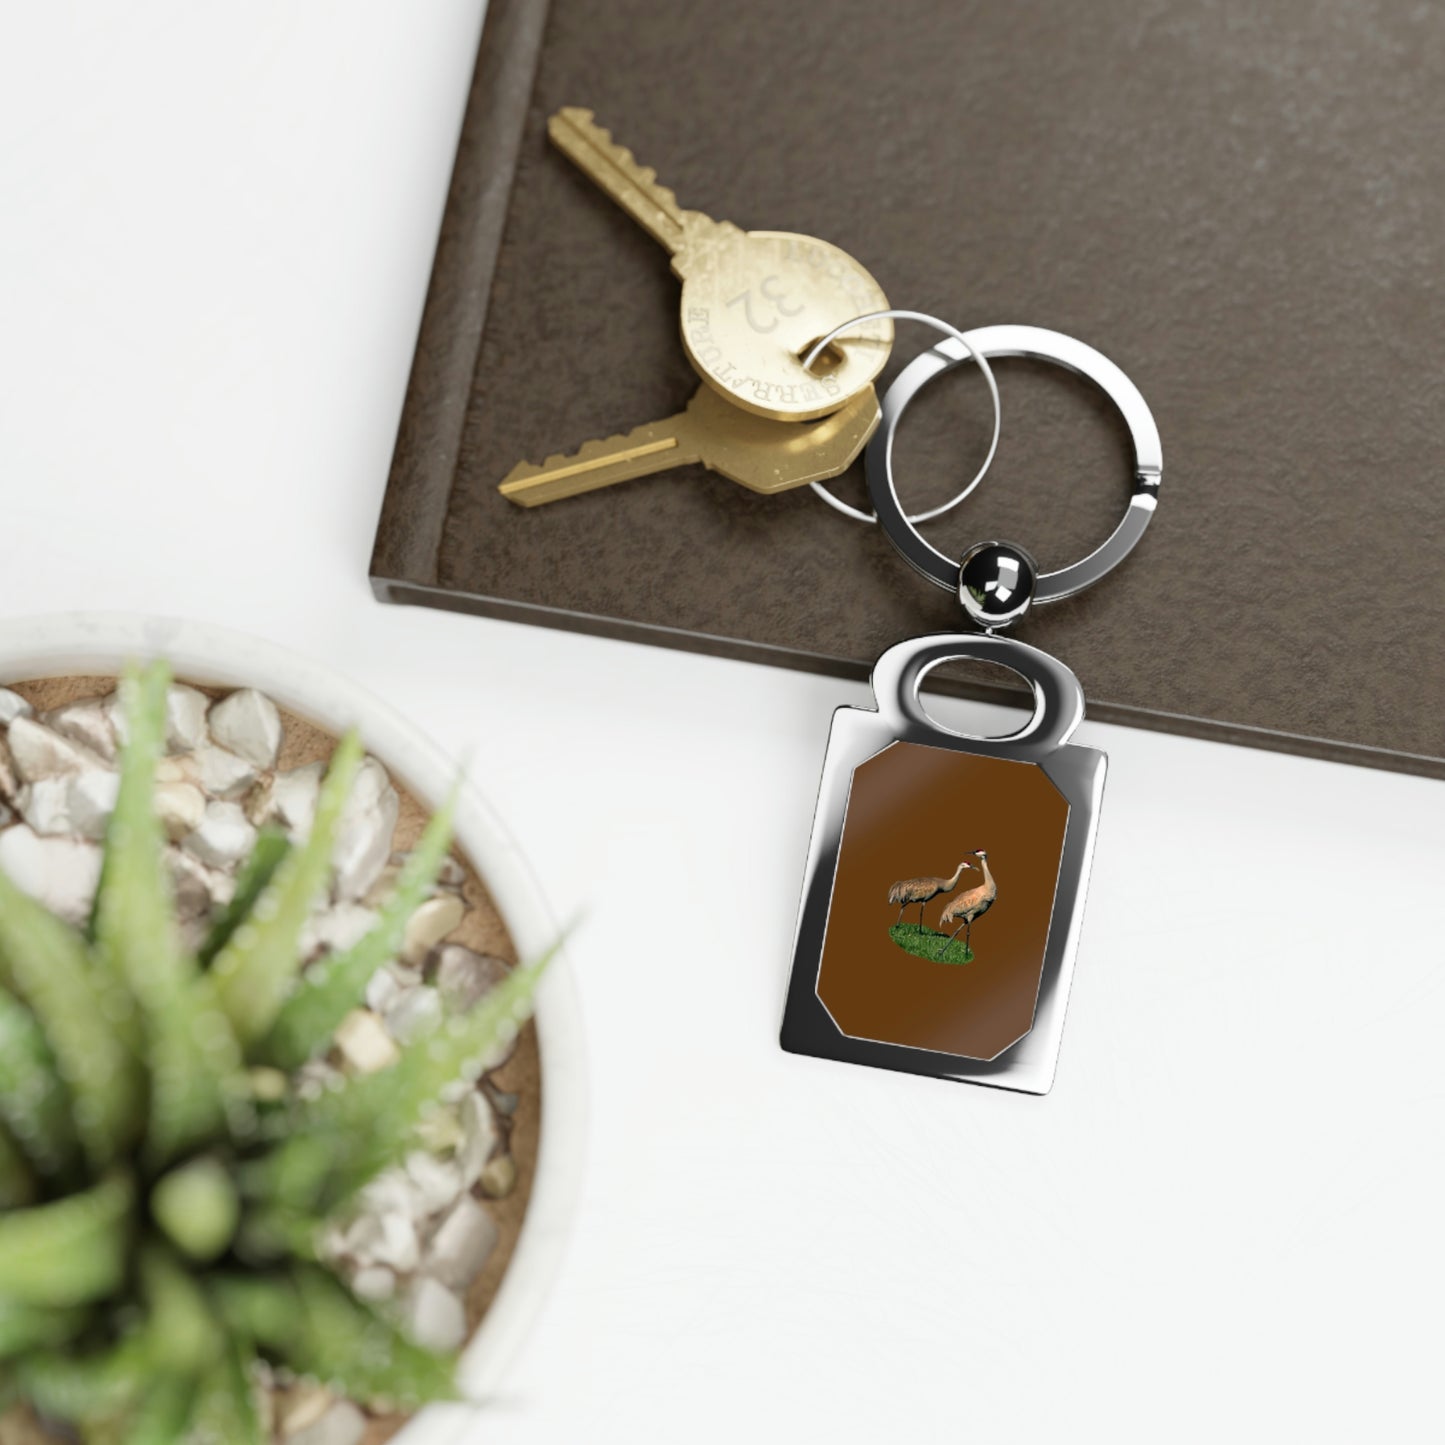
point(62, 644)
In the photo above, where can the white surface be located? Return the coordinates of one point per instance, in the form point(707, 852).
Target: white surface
point(1223, 1224)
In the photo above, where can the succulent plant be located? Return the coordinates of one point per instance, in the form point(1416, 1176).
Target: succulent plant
point(164, 1186)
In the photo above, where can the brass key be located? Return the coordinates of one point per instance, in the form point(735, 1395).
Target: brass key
point(753, 302)
point(765, 456)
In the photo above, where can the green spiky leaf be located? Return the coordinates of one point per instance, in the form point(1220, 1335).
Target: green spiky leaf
point(257, 1307)
point(26, 1327)
point(257, 968)
point(197, 1207)
point(195, 1063)
point(46, 963)
point(182, 1328)
point(71, 1251)
point(87, 1387)
point(343, 1140)
point(122, 1058)
point(224, 1411)
point(33, 1101)
point(332, 987)
point(358, 1352)
point(267, 854)
point(18, 1185)
point(162, 1413)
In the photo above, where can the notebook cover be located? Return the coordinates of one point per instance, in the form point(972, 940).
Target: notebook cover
point(1244, 208)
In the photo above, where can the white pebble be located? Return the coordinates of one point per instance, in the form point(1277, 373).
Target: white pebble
point(180, 807)
point(431, 923)
point(396, 1244)
point(338, 928)
point(87, 723)
point(224, 837)
point(437, 1318)
point(364, 832)
point(185, 718)
point(464, 976)
point(91, 801)
point(381, 989)
point(374, 1283)
point(222, 774)
point(198, 889)
point(387, 982)
point(303, 1405)
point(391, 1190)
point(45, 805)
point(40, 753)
point(364, 1043)
point(12, 706)
point(342, 1424)
point(440, 1131)
point(383, 885)
point(499, 1178)
point(248, 724)
point(315, 1077)
point(462, 1244)
point(175, 770)
point(413, 1013)
point(438, 1181)
point(480, 1135)
point(292, 798)
point(61, 873)
point(9, 783)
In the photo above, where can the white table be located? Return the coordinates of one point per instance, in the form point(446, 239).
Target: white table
point(1225, 1222)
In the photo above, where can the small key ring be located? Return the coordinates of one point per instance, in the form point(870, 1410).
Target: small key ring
point(1036, 344)
point(969, 352)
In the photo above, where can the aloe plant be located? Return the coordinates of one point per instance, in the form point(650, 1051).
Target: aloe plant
point(162, 1197)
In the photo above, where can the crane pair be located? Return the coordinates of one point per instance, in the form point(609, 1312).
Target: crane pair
point(963, 909)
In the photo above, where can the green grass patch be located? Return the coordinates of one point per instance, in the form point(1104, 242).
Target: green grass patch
point(928, 943)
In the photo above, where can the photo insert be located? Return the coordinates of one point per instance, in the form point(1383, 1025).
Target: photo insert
point(942, 900)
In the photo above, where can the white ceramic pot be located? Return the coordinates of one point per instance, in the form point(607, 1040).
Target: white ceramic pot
point(71, 644)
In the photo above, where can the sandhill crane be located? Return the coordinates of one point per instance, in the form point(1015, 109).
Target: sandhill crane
point(923, 891)
point(969, 905)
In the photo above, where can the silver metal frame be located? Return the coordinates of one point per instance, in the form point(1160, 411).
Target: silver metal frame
point(1039, 345)
point(1077, 772)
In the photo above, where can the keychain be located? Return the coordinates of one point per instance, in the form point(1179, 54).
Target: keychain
point(944, 889)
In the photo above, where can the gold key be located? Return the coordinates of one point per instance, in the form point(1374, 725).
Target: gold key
point(753, 302)
point(765, 456)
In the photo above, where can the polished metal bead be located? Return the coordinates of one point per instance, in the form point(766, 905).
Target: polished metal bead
point(996, 583)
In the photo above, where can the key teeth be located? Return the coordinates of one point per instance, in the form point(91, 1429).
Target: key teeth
point(526, 471)
point(576, 118)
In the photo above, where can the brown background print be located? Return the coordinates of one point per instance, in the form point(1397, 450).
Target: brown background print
point(915, 810)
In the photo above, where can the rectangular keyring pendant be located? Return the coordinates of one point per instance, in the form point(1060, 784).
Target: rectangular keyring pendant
point(944, 890)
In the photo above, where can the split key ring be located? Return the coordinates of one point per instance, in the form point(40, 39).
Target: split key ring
point(1037, 344)
point(963, 350)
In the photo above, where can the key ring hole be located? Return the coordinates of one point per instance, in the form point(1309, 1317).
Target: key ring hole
point(1058, 700)
point(821, 357)
point(979, 360)
point(986, 694)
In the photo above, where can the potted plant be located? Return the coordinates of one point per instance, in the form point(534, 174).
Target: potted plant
point(211, 1141)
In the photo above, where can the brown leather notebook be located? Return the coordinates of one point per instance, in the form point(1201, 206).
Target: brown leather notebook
point(1244, 208)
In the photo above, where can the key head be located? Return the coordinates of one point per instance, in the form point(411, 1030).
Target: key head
point(776, 456)
point(753, 302)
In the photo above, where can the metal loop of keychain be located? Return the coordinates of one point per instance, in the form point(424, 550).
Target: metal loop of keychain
point(903, 798)
point(963, 350)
